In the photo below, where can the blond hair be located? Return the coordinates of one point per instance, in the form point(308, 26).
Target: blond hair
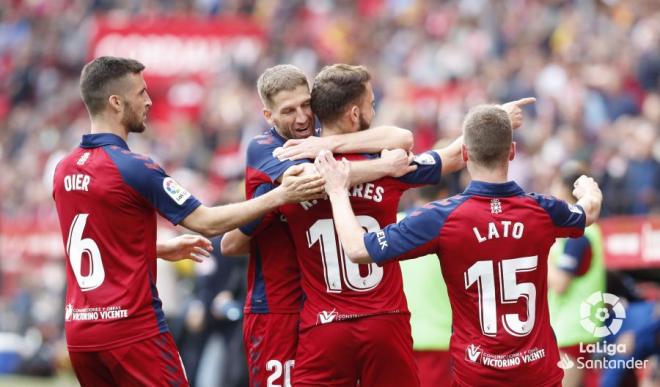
point(279, 78)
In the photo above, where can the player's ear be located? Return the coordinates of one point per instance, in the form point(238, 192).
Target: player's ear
point(268, 115)
point(354, 114)
point(115, 103)
point(512, 151)
point(464, 152)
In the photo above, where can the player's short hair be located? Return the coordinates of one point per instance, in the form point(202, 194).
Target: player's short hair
point(279, 78)
point(488, 135)
point(337, 87)
point(98, 80)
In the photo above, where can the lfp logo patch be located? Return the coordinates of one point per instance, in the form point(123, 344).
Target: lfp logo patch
point(175, 191)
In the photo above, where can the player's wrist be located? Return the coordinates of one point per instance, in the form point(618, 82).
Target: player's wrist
point(337, 192)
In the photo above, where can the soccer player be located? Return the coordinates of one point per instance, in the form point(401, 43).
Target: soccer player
point(493, 242)
point(354, 322)
point(274, 299)
point(106, 199)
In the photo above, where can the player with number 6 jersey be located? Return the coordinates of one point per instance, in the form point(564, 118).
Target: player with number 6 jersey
point(107, 200)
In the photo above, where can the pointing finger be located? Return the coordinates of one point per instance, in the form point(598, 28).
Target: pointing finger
point(525, 101)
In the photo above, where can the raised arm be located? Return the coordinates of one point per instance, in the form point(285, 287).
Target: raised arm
point(394, 163)
point(366, 141)
point(589, 197)
point(211, 221)
point(451, 154)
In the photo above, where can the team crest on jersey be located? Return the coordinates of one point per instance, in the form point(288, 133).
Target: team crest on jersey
point(424, 159)
point(495, 206)
point(175, 191)
point(83, 158)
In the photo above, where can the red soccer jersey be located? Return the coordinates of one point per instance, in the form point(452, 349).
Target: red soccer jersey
point(107, 199)
point(493, 242)
point(273, 273)
point(335, 288)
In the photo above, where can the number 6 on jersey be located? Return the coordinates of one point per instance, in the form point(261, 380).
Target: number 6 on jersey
point(76, 246)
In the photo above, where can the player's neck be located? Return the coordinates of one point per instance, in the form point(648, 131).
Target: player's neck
point(498, 175)
point(332, 129)
point(100, 125)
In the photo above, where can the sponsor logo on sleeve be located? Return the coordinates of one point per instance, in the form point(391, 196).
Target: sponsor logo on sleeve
point(424, 159)
point(175, 191)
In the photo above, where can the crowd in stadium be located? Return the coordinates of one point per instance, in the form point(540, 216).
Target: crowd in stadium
point(593, 66)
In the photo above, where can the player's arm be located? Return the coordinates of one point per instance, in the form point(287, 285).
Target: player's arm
point(394, 163)
point(217, 220)
point(408, 239)
point(589, 196)
point(235, 244)
point(351, 234)
point(187, 246)
point(365, 141)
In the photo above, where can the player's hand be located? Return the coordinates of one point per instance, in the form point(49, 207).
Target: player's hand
point(299, 187)
point(336, 173)
point(584, 185)
point(515, 112)
point(193, 247)
point(399, 161)
point(296, 149)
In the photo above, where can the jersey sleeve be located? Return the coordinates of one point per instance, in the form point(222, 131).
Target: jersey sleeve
point(260, 157)
point(569, 220)
point(145, 176)
point(262, 222)
point(416, 235)
point(429, 167)
point(576, 257)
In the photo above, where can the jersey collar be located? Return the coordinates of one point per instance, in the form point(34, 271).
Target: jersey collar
point(481, 188)
point(96, 140)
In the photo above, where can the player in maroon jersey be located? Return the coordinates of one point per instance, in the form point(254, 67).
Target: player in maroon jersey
point(266, 163)
point(493, 242)
point(107, 198)
point(273, 301)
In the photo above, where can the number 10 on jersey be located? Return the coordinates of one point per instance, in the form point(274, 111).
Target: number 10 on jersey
point(335, 262)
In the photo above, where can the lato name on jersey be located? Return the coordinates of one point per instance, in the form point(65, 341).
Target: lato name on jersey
point(77, 182)
point(368, 191)
point(500, 230)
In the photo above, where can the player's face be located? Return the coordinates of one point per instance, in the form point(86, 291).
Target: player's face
point(367, 111)
point(291, 113)
point(136, 104)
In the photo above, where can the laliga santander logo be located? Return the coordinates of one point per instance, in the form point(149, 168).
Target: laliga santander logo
point(597, 310)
